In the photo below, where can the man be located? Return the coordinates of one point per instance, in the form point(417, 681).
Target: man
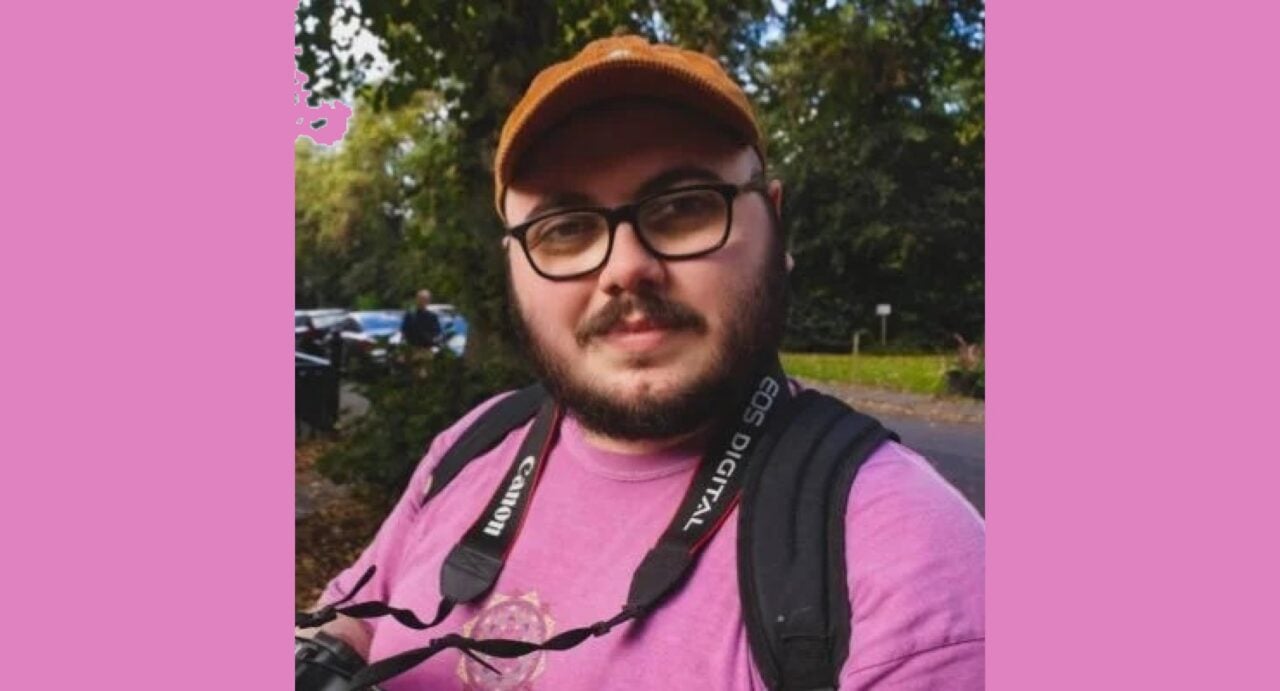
point(647, 279)
point(421, 327)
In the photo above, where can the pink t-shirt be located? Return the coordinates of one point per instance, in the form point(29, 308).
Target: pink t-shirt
point(915, 546)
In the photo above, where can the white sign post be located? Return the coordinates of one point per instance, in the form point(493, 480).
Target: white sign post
point(883, 310)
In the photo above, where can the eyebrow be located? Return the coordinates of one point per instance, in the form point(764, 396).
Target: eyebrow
point(655, 184)
point(669, 178)
point(559, 200)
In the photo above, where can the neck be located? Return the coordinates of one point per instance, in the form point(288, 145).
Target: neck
point(638, 447)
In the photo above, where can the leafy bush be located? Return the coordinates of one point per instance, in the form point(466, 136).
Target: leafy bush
point(415, 399)
point(968, 373)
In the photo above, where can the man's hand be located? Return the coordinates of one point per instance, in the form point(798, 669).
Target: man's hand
point(351, 631)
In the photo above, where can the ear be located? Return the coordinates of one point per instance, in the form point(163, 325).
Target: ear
point(774, 192)
point(510, 248)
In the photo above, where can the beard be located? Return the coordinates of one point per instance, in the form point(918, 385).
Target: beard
point(750, 341)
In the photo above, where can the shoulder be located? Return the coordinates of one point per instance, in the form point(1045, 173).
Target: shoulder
point(916, 553)
point(450, 435)
point(897, 490)
point(445, 440)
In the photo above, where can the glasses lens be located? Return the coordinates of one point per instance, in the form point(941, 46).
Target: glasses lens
point(569, 243)
point(684, 222)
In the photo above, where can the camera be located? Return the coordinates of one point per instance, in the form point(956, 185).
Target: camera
point(324, 663)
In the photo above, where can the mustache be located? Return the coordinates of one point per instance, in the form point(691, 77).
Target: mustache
point(664, 313)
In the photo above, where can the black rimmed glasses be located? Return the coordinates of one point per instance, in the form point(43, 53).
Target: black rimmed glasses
point(680, 223)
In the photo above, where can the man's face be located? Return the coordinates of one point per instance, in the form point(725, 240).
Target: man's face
point(646, 348)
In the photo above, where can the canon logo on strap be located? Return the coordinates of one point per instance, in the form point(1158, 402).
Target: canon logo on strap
point(498, 522)
point(754, 415)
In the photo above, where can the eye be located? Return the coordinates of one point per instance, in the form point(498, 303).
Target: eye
point(563, 232)
point(683, 211)
point(692, 203)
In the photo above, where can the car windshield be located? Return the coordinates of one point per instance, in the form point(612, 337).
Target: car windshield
point(381, 321)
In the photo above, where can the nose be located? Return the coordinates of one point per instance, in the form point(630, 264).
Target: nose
point(630, 266)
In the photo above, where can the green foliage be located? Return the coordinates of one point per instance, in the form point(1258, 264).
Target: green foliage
point(875, 114)
point(416, 399)
point(913, 373)
point(357, 236)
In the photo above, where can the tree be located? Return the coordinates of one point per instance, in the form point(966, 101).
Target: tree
point(882, 150)
point(354, 209)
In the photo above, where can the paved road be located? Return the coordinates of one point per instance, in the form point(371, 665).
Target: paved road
point(957, 450)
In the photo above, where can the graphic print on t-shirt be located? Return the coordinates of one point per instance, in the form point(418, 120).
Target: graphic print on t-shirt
point(515, 617)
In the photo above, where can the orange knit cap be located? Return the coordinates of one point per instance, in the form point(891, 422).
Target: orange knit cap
point(618, 67)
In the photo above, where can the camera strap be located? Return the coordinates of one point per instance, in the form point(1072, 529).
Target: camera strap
point(360, 610)
point(473, 566)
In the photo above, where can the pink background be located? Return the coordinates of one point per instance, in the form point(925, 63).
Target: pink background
point(1132, 244)
point(146, 262)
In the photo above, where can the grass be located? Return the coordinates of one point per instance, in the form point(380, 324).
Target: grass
point(913, 373)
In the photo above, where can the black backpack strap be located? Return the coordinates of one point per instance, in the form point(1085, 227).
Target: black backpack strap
point(791, 539)
point(491, 427)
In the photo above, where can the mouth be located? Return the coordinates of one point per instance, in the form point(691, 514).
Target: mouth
point(636, 325)
point(639, 334)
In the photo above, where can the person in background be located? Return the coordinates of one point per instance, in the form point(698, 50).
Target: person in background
point(421, 327)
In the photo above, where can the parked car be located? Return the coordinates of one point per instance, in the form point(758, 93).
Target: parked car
point(312, 328)
point(368, 335)
point(453, 327)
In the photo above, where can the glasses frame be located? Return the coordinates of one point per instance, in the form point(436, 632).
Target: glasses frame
point(614, 216)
